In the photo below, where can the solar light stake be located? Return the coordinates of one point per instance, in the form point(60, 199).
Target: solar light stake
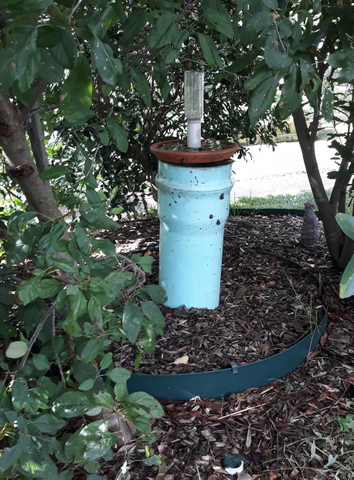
point(193, 106)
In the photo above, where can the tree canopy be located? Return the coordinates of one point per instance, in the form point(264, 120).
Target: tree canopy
point(98, 63)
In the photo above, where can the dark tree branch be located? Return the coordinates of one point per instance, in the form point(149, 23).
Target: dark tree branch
point(36, 136)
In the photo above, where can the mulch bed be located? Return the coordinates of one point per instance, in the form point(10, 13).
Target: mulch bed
point(285, 430)
point(266, 305)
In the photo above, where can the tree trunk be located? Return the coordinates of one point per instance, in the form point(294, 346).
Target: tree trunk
point(22, 167)
point(340, 247)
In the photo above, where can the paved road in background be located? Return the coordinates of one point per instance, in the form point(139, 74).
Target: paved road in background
point(281, 171)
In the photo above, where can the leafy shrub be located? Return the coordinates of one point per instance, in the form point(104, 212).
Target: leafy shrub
point(346, 289)
point(65, 296)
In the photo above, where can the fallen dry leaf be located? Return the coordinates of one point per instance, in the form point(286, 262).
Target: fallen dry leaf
point(181, 360)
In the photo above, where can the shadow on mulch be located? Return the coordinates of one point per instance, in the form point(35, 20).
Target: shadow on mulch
point(285, 430)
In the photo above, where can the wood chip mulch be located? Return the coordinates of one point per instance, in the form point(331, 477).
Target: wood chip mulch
point(285, 430)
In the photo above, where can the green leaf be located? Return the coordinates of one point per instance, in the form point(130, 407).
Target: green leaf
point(94, 219)
point(104, 245)
point(145, 405)
point(106, 361)
point(155, 292)
point(346, 288)
point(76, 92)
point(28, 290)
point(253, 27)
point(131, 26)
point(73, 404)
point(23, 86)
point(65, 266)
point(64, 52)
point(93, 441)
point(49, 68)
point(101, 21)
point(327, 105)
point(41, 362)
point(82, 240)
point(262, 98)
point(104, 399)
point(272, 4)
point(16, 349)
point(48, 287)
point(18, 221)
point(334, 175)
point(153, 313)
point(48, 35)
point(165, 31)
point(55, 171)
point(14, 60)
point(343, 58)
point(144, 261)
point(346, 75)
point(87, 385)
point(209, 50)
point(274, 58)
point(19, 393)
point(93, 197)
point(243, 62)
point(6, 298)
point(217, 17)
point(118, 134)
point(132, 320)
point(10, 457)
point(78, 306)
point(290, 98)
point(346, 223)
point(258, 78)
point(107, 65)
point(92, 348)
point(142, 86)
point(153, 460)
point(120, 376)
point(27, 6)
point(94, 309)
point(48, 423)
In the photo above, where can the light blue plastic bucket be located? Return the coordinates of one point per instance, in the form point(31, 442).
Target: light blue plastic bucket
point(193, 209)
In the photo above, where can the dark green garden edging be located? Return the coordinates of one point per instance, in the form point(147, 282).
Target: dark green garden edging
point(247, 212)
point(235, 379)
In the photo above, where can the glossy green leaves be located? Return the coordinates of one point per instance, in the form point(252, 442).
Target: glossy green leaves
point(142, 86)
point(217, 17)
point(118, 134)
point(107, 65)
point(274, 55)
point(209, 50)
point(26, 5)
point(346, 288)
point(76, 92)
point(263, 95)
point(18, 56)
point(343, 60)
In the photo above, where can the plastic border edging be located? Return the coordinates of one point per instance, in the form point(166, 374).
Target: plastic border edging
point(247, 212)
point(236, 379)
